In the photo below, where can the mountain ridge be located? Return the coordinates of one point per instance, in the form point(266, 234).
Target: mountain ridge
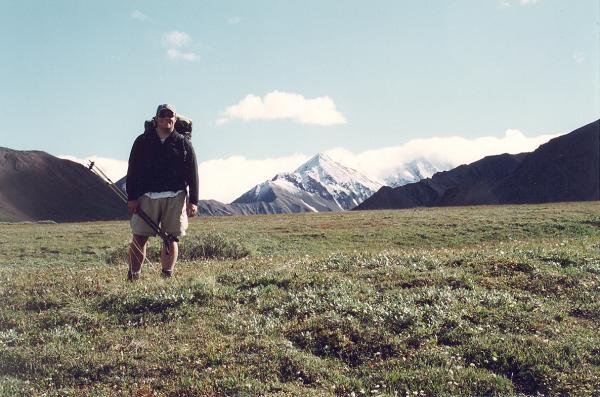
point(35, 185)
point(566, 168)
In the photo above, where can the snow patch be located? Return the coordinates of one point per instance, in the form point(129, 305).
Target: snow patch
point(310, 207)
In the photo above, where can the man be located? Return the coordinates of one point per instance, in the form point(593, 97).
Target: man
point(162, 164)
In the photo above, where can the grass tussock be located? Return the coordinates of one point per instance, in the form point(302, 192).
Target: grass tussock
point(156, 305)
point(206, 246)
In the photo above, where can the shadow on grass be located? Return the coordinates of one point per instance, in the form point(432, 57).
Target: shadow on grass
point(151, 306)
point(344, 339)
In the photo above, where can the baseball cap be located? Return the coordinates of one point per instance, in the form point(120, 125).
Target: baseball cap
point(165, 106)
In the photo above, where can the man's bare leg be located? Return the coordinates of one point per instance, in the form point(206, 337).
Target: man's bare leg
point(168, 261)
point(137, 254)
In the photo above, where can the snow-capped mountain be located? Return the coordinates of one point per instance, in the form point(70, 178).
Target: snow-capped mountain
point(320, 184)
point(414, 171)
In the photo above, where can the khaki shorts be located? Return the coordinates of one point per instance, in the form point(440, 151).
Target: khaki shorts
point(169, 213)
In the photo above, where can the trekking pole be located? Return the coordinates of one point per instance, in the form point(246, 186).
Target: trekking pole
point(166, 237)
point(110, 183)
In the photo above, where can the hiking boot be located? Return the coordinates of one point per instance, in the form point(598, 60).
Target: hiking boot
point(133, 276)
point(166, 273)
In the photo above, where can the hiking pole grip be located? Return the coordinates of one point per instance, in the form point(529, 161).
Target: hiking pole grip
point(111, 185)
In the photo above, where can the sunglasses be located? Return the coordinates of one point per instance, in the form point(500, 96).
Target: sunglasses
point(166, 114)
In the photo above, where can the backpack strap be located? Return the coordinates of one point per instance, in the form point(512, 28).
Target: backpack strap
point(184, 149)
point(182, 139)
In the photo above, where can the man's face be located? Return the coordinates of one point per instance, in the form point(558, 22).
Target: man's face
point(165, 119)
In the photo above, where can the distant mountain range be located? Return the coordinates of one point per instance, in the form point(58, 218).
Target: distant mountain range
point(36, 186)
point(413, 171)
point(566, 168)
point(320, 184)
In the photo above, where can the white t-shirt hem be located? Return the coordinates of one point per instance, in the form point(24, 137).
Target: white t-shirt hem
point(157, 195)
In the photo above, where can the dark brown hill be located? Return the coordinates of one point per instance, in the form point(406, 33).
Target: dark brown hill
point(37, 186)
point(566, 168)
point(464, 185)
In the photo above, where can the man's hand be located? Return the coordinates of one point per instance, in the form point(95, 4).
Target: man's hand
point(133, 206)
point(191, 209)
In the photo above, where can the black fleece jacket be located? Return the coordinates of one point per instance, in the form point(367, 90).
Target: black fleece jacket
point(156, 166)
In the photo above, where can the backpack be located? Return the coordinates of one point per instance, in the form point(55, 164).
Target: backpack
point(183, 125)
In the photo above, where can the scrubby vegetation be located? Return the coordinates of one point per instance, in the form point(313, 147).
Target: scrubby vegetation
point(211, 245)
point(438, 302)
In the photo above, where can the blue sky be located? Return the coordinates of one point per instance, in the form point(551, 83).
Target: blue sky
point(78, 78)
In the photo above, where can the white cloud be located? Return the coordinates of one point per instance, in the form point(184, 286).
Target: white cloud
point(226, 179)
point(441, 151)
point(137, 14)
point(176, 39)
point(284, 105)
point(234, 20)
point(115, 169)
point(220, 179)
point(173, 53)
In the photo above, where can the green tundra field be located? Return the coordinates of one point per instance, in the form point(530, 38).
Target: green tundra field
point(468, 301)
